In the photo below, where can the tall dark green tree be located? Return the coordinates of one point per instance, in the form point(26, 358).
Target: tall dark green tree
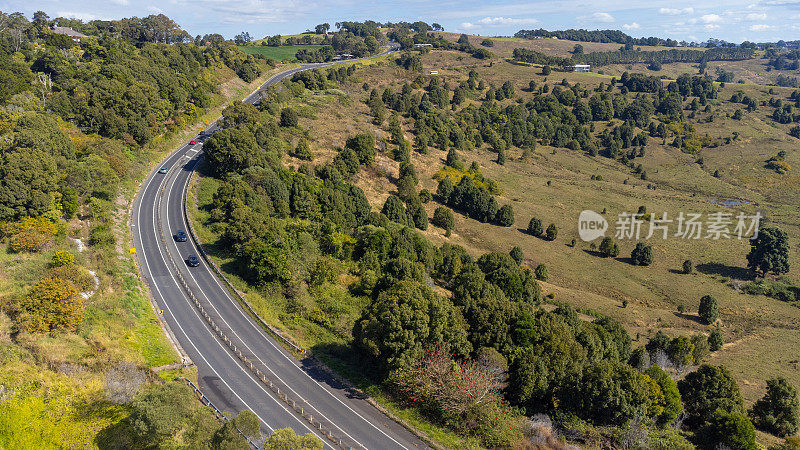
point(778, 411)
point(769, 252)
point(404, 320)
point(642, 254)
point(535, 227)
point(708, 310)
point(608, 248)
point(505, 216)
point(707, 389)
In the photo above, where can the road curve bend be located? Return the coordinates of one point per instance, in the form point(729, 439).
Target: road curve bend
point(240, 365)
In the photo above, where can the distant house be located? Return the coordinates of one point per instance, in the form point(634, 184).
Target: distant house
point(67, 31)
point(578, 68)
point(423, 45)
point(433, 72)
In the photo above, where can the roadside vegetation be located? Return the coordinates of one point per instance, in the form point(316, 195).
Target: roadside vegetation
point(80, 124)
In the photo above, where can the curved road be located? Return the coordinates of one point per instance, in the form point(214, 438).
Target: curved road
point(158, 212)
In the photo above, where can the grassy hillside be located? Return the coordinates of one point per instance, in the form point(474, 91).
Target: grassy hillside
point(555, 184)
point(654, 293)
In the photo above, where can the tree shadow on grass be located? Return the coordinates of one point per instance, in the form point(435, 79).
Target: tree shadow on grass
point(713, 268)
point(691, 317)
point(594, 253)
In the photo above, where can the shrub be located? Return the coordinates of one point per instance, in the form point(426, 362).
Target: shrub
point(29, 234)
point(708, 310)
point(715, 340)
point(517, 254)
point(77, 275)
point(288, 117)
point(52, 304)
point(303, 151)
point(778, 411)
point(443, 218)
point(707, 389)
point(535, 227)
point(62, 258)
point(642, 255)
point(101, 236)
point(730, 429)
point(551, 232)
point(29, 240)
point(505, 216)
point(688, 267)
point(541, 272)
point(608, 248)
point(425, 196)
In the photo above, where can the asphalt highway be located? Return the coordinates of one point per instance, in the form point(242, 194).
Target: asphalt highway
point(157, 214)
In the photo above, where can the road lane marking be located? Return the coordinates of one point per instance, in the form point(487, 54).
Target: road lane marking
point(236, 363)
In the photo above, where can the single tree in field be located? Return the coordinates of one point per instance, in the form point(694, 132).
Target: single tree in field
point(551, 232)
point(778, 411)
point(535, 227)
point(688, 267)
point(608, 248)
point(769, 252)
point(708, 310)
point(541, 272)
point(715, 340)
point(642, 255)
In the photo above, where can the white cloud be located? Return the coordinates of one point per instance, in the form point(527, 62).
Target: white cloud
point(80, 16)
point(711, 18)
point(631, 26)
point(676, 11)
point(761, 27)
point(155, 9)
point(495, 22)
point(602, 17)
point(711, 27)
point(505, 21)
point(756, 16)
point(121, 2)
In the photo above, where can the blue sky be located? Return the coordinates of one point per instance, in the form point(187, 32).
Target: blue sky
point(733, 20)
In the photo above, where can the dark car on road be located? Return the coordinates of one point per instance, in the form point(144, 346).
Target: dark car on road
point(180, 236)
point(193, 261)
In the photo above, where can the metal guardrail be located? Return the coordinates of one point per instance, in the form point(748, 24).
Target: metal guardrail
point(231, 288)
point(219, 414)
point(298, 408)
